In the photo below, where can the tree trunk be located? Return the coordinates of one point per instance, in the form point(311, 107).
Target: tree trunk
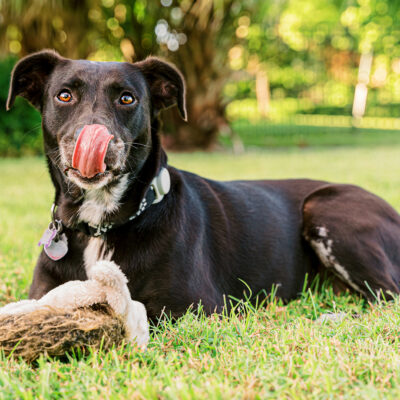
point(59, 25)
point(205, 120)
point(203, 62)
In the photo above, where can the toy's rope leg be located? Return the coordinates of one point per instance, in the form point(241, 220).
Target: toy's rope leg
point(20, 307)
point(136, 323)
point(119, 298)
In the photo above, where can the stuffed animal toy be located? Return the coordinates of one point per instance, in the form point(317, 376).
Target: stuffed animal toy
point(96, 312)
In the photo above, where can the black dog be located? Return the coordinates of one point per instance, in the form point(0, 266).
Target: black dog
point(197, 239)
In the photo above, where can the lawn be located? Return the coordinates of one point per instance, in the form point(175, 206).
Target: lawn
point(321, 130)
point(279, 351)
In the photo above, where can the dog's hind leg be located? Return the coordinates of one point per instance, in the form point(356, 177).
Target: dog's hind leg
point(356, 235)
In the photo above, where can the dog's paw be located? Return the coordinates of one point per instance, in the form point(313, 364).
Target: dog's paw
point(108, 274)
point(332, 317)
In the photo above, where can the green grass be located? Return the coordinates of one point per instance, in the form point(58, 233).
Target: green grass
point(334, 132)
point(276, 352)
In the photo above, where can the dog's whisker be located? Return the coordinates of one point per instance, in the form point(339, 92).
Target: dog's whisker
point(134, 144)
point(29, 131)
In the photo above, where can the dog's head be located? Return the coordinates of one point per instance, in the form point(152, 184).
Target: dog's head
point(97, 116)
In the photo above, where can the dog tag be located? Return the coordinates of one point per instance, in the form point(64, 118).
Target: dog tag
point(48, 236)
point(55, 244)
point(58, 248)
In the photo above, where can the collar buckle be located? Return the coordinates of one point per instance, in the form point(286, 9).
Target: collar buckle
point(161, 185)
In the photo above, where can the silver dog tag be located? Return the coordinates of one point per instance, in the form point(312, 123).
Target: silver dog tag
point(57, 249)
point(55, 243)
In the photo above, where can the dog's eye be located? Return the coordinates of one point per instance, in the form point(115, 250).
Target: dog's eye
point(64, 96)
point(126, 98)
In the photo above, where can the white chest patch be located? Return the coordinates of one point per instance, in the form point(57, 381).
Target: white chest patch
point(99, 202)
point(96, 250)
point(96, 205)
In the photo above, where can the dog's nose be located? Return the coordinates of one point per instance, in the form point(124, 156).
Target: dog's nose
point(90, 150)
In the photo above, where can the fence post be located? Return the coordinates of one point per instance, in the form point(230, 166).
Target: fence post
point(361, 91)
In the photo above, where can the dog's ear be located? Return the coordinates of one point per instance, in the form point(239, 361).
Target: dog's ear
point(166, 83)
point(29, 76)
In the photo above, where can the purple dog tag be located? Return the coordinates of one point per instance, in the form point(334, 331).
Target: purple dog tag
point(48, 235)
point(55, 245)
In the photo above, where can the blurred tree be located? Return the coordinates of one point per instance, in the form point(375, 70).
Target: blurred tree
point(20, 132)
point(195, 35)
point(310, 52)
point(31, 25)
point(306, 53)
point(200, 49)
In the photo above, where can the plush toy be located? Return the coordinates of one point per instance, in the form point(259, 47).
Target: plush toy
point(78, 314)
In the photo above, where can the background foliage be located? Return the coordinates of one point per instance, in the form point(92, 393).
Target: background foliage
point(254, 60)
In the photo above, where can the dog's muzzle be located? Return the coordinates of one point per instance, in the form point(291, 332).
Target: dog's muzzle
point(90, 150)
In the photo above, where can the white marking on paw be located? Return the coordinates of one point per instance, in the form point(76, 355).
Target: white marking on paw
point(332, 317)
point(323, 247)
point(99, 202)
point(322, 231)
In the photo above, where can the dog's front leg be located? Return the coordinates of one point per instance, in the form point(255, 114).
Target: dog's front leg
point(43, 280)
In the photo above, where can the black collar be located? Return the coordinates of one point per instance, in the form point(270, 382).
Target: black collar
point(103, 229)
point(158, 188)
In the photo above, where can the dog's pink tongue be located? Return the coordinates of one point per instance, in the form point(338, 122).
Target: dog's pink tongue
point(90, 150)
